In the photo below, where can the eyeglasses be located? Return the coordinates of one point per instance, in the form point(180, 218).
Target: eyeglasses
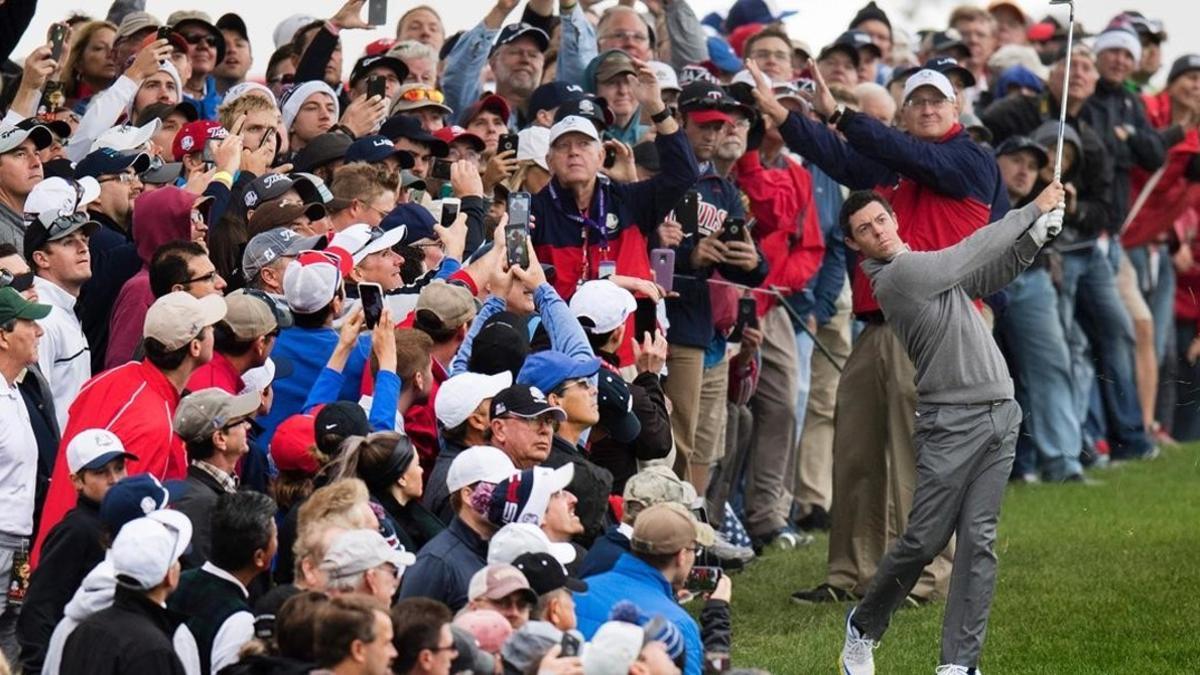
point(124, 178)
point(197, 38)
point(922, 103)
point(582, 382)
point(209, 278)
point(196, 216)
point(287, 78)
point(448, 648)
point(423, 94)
point(776, 55)
point(627, 36)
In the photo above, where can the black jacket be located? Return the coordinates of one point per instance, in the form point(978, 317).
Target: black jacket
point(35, 391)
point(114, 261)
point(437, 496)
point(415, 524)
point(653, 442)
point(592, 485)
point(197, 503)
point(72, 548)
point(132, 636)
point(1115, 106)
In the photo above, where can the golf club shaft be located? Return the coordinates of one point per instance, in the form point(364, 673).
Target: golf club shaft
point(1062, 115)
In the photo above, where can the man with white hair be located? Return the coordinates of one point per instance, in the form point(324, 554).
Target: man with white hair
point(875, 101)
point(361, 561)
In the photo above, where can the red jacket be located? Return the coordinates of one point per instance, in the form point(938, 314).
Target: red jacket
point(218, 373)
point(420, 423)
point(137, 403)
point(1187, 284)
point(787, 228)
point(1169, 190)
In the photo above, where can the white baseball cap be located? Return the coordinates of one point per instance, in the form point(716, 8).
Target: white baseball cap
point(145, 548)
point(478, 463)
point(604, 303)
point(177, 318)
point(533, 143)
point(574, 124)
point(11, 137)
point(356, 551)
point(665, 74)
point(59, 196)
point(546, 483)
point(126, 137)
point(361, 240)
point(514, 539)
point(460, 395)
point(928, 78)
point(310, 282)
point(91, 449)
point(286, 30)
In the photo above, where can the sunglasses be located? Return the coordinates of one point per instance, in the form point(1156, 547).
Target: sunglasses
point(17, 282)
point(197, 38)
point(417, 94)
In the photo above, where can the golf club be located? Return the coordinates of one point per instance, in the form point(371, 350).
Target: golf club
point(1062, 115)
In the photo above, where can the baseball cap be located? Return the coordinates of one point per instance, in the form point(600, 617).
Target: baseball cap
point(338, 421)
point(126, 137)
point(177, 318)
point(178, 18)
point(616, 407)
point(377, 148)
point(109, 162)
point(612, 64)
point(276, 215)
point(169, 172)
point(54, 209)
point(501, 345)
point(947, 65)
point(249, 317)
point(161, 111)
point(364, 65)
point(928, 78)
point(91, 449)
point(265, 248)
point(588, 107)
point(478, 634)
point(548, 369)
point(134, 23)
point(1019, 143)
point(200, 413)
point(948, 40)
point(235, 23)
point(1185, 64)
point(292, 443)
point(310, 282)
point(657, 484)
point(286, 30)
point(546, 574)
point(11, 137)
point(452, 133)
point(415, 220)
point(407, 126)
point(273, 369)
point(415, 96)
point(451, 304)
point(574, 124)
point(551, 95)
point(493, 103)
point(361, 240)
point(145, 549)
point(516, 31)
point(668, 528)
point(515, 539)
point(704, 102)
point(859, 40)
point(328, 147)
point(613, 648)
point(523, 400)
point(192, 137)
point(355, 551)
point(478, 463)
point(59, 128)
point(533, 143)
point(498, 581)
point(604, 304)
point(461, 394)
point(754, 11)
point(266, 188)
point(136, 496)
point(524, 497)
point(668, 80)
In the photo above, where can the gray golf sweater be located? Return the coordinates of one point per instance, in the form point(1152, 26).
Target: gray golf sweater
point(927, 298)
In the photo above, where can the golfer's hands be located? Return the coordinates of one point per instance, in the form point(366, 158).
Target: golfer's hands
point(1051, 198)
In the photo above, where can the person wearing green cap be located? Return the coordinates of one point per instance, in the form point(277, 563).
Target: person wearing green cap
point(19, 335)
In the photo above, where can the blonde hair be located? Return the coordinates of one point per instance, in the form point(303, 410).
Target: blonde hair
point(228, 113)
point(79, 44)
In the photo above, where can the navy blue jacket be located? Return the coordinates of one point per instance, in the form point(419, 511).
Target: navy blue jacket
point(445, 565)
point(603, 555)
point(114, 261)
point(691, 313)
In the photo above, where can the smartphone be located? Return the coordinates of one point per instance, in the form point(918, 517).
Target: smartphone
point(440, 169)
point(209, 155)
point(450, 206)
point(377, 12)
point(508, 142)
point(58, 33)
point(372, 301)
point(662, 261)
point(703, 579)
point(570, 645)
point(731, 229)
point(645, 318)
point(747, 315)
point(610, 157)
point(516, 233)
point(687, 213)
point(376, 86)
point(164, 33)
point(268, 136)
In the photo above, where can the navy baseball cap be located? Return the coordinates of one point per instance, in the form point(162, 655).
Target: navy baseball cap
point(376, 149)
point(948, 65)
point(515, 31)
point(753, 11)
point(136, 496)
point(593, 108)
point(616, 407)
point(553, 94)
point(502, 344)
point(364, 65)
point(407, 126)
point(107, 162)
point(415, 217)
point(549, 369)
point(338, 421)
point(1015, 144)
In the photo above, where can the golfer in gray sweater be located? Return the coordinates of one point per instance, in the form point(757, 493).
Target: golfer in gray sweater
point(967, 420)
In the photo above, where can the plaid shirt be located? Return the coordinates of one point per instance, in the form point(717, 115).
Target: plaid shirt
point(228, 483)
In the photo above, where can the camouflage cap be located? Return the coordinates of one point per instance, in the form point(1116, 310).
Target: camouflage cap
point(658, 484)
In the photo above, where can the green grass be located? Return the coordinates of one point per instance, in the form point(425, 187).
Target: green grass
point(1093, 579)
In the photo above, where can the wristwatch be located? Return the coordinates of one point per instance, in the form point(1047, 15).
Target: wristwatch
point(661, 116)
point(837, 114)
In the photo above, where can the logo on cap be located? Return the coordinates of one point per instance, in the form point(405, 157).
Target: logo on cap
point(574, 88)
point(186, 143)
point(586, 106)
point(383, 143)
point(148, 505)
point(715, 94)
point(273, 179)
point(251, 198)
point(537, 395)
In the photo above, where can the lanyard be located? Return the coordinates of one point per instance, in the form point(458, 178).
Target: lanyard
point(586, 223)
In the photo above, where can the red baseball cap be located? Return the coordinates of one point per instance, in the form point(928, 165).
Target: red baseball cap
point(292, 444)
point(704, 116)
point(492, 103)
point(380, 46)
point(192, 137)
point(454, 133)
